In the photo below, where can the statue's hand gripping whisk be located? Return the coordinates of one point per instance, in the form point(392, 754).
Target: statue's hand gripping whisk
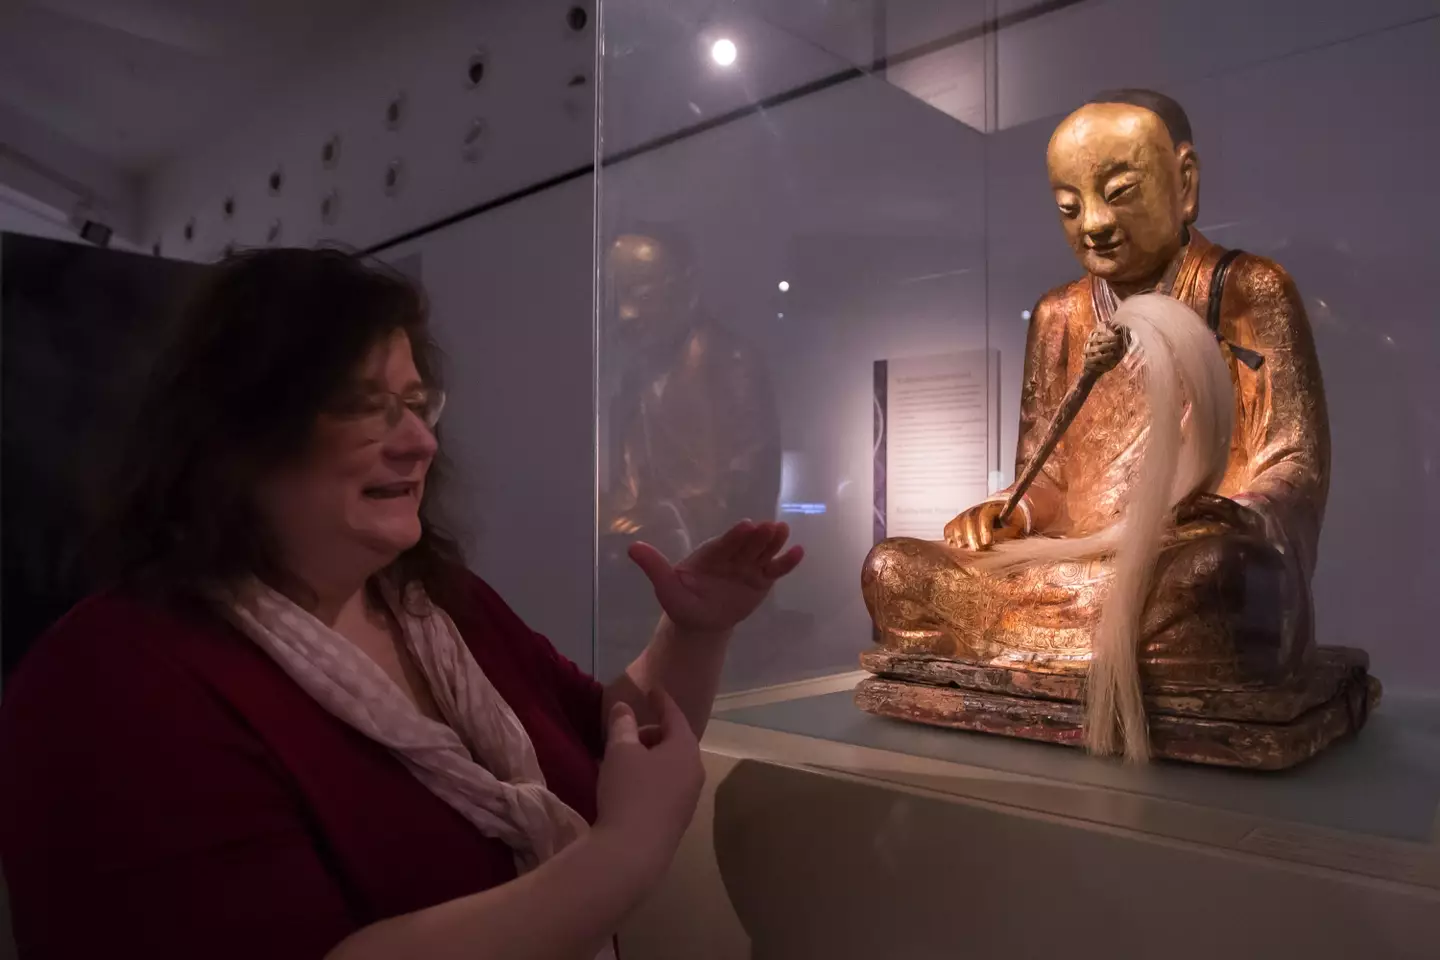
point(1103, 352)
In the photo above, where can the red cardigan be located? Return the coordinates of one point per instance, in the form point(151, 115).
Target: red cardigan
point(168, 791)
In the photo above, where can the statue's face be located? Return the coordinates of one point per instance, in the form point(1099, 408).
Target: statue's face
point(1125, 192)
point(646, 282)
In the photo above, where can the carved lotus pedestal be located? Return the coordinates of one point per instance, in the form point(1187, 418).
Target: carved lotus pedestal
point(1264, 728)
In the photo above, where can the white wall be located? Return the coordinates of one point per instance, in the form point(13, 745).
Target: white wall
point(1047, 64)
point(536, 126)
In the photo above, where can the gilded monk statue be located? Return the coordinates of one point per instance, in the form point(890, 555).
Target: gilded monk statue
point(1229, 606)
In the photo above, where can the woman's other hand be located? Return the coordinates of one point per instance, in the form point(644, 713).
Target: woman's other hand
point(650, 782)
point(724, 580)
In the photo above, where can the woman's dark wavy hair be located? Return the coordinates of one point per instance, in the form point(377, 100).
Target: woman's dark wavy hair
point(266, 342)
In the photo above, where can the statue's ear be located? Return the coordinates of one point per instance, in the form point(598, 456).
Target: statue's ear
point(1189, 181)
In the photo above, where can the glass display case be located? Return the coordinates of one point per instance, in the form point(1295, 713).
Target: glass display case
point(807, 219)
point(824, 230)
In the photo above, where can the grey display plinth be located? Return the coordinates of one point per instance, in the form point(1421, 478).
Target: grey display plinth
point(1383, 783)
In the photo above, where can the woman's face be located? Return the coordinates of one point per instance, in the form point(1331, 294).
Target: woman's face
point(351, 505)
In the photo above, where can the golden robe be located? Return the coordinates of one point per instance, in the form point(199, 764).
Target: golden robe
point(1227, 607)
point(693, 441)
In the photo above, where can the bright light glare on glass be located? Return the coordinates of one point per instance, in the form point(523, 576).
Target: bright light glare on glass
point(723, 52)
point(784, 286)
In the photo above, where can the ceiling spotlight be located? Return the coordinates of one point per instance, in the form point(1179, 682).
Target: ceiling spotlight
point(784, 286)
point(723, 52)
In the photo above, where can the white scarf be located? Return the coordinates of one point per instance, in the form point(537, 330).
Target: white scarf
point(482, 764)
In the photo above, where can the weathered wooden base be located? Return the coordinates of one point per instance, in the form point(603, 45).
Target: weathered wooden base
point(1258, 729)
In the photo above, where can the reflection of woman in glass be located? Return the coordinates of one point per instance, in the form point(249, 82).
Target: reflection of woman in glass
point(296, 726)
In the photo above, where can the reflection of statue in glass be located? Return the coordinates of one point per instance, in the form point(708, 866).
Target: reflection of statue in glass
point(1225, 642)
point(690, 435)
point(689, 439)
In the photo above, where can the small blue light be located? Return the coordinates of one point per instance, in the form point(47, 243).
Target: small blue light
point(807, 509)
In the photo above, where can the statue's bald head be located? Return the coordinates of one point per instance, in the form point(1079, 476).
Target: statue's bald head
point(1177, 122)
point(1126, 179)
point(651, 268)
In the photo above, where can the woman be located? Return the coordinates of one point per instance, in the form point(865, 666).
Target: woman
point(296, 726)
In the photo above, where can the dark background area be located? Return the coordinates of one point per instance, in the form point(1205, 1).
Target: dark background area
point(79, 328)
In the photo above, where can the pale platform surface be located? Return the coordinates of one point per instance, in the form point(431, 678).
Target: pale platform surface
point(1384, 783)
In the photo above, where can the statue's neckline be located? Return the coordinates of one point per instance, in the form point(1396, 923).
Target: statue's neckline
point(1105, 302)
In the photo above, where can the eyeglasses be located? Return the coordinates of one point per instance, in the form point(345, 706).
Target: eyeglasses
point(381, 411)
